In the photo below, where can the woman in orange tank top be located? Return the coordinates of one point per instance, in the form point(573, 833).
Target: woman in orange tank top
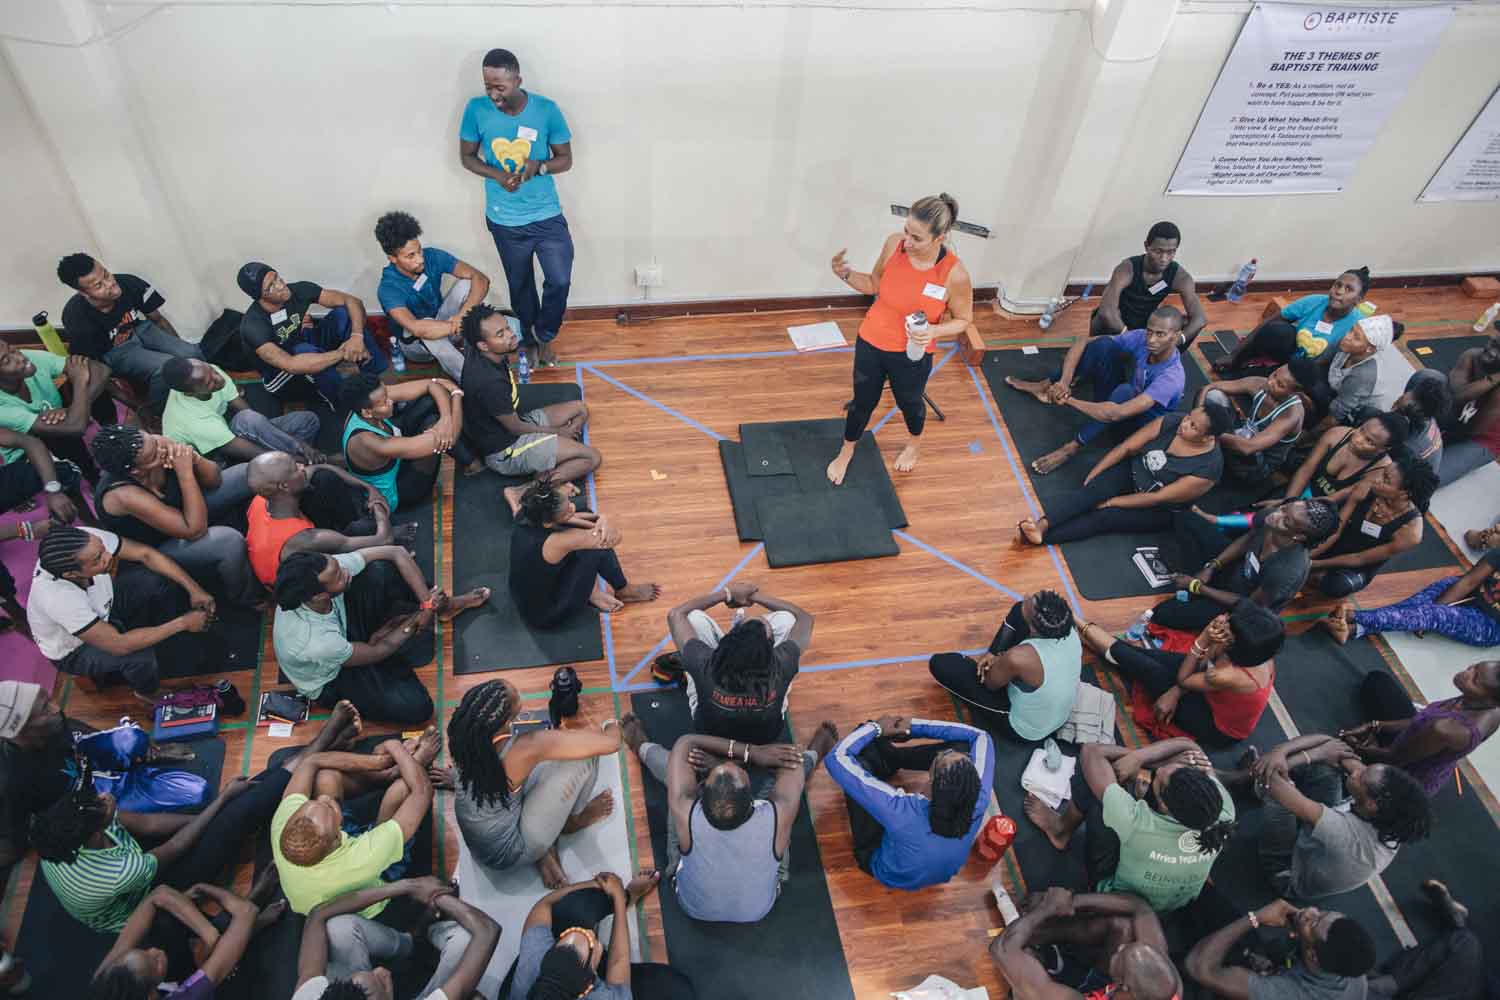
point(915, 273)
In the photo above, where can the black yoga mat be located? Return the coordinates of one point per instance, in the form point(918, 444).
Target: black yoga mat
point(60, 953)
point(1445, 351)
point(494, 637)
point(1101, 566)
point(824, 527)
point(795, 952)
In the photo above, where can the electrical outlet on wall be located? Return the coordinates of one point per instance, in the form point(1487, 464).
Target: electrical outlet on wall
point(648, 275)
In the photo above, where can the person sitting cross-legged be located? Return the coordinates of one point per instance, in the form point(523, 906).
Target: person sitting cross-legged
point(295, 504)
point(1025, 685)
point(1473, 442)
point(342, 622)
point(1334, 954)
point(411, 293)
point(727, 836)
point(1137, 376)
point(342, 951)
point(1447, 966)
point(1333, 824)
point(1117, 933)
point(134, 969)
point(163, 494)
point(517, 793)
point(1427, 404)
point(1262, 440)
point(1380, 517)
point(1164, 466)
point(396, 435)
point(910, 839)
point(30, 402)
point(206, 410)
point(1159, 846)
point(542, 442)
point(1138, 285)
point(563, 958)
point(738, 682)
point(558, 552)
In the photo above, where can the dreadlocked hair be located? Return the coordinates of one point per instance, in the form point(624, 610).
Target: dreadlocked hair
point(744, 662)
point(1054, 618)
point(955, 791)
point(116, 448)
point(1403, 813)
point(118, 983)
point(563, 976)
point(1195, 801)
point(484, 711)
point(1322, 521)
point(469, 326)
point(58, 553)
point(59, 832)
point(540, 502)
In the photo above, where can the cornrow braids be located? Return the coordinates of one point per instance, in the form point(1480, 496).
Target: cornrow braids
point(58, 552)
point(116, 448)
point(482, 714)
point(1195, 801)
point(59, 832)
point(1054, 618)
point(1322, 521)
point(955, 791)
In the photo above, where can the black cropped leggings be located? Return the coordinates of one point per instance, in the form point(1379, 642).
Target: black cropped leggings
point(908, 378)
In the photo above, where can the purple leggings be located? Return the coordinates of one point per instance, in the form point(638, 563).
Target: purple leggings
point(1421, 613)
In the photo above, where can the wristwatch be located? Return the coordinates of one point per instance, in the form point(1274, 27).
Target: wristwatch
point(542, 170)
point(52, 486)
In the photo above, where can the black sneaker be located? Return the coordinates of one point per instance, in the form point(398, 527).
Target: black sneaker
point(230, 702)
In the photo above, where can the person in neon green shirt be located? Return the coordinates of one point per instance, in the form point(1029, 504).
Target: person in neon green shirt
point(31, 402)
point(207, 411)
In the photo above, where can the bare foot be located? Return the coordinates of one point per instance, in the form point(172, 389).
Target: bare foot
point(1048, 821)
point(1456, 912)
point(907, 460)
point(1032, 387)
point(424, 749)
point(641, 886)
point(269, 915)
point(404, 534)
point(605, 601)
point(1336, 626)
point(551, 870)
point(474, 468)
point(1477, 539)
point(599, 807)
point(634, 731)
point(545, 355)
point(839, 467)
point(265, 885)
point(463, 602)
point(1029, 532)
point(443, 779)
point(638, 593)
point(1054, 460)
point(513, 498)
point(824, 739)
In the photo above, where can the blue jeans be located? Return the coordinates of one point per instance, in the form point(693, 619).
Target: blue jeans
point(326, 335)
point(140, 358)
point(1104, 366)
point(552, 245)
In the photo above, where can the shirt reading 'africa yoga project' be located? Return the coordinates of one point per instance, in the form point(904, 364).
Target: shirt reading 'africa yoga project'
point(355, 864)
point(507, 142)
point(1160, 859)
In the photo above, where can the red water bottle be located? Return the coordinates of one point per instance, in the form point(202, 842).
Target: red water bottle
point(995, 837)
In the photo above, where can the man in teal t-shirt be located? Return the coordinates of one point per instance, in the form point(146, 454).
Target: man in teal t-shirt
point(517, 141)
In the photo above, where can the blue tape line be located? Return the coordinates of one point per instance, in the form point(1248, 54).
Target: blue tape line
point(593, 497)
point(945, 557)
point(935, 369)
point(660, 406)
point(739, 356)
point(744, 561)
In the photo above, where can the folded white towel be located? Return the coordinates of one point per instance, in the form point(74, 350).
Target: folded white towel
point(1052, 787)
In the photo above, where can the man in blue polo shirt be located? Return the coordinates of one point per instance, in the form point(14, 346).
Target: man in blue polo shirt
point(411, 293)
point(517, 141)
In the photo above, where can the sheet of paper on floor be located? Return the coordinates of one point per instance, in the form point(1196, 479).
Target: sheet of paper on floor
point(817, 336)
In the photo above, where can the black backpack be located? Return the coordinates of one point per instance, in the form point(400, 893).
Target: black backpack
point(222, 345)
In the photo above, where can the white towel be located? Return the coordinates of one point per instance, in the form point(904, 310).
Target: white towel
point(1052, 787)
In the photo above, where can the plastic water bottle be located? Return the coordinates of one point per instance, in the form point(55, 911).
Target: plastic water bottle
point(1137, 630)
point(398, 356)
point(1046, 319)
point(1480, 325)
point(523, 365)
point(1241, 282)
point(915, 323)
point(50, 338)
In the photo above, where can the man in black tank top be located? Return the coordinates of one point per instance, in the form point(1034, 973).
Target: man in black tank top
point(1140, 284)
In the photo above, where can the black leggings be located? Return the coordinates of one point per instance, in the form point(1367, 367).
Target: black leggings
point(883, 759)
point(575, 584)
point(872, 367)
point(1383, 698)
point(1156, 671)
point(388, 691)
point(415, 480)
point(587, 908)
point(1077, 514)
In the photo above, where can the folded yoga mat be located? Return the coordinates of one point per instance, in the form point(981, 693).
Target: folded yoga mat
point(824, 527)
point(795, 952)
point(60, 953)
point(494, 637)
point(509, 895)
point(1101, 566)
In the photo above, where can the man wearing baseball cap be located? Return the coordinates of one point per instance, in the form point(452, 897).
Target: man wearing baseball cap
point(35, 748)
point(289, 342)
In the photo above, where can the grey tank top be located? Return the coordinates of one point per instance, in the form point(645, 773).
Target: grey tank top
point(492, 832)
point(730, 875)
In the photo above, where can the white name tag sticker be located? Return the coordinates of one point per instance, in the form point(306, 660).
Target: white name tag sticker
point(1324, 326)
point(279, 316)
point(1029, 349)
point(526, 133)
point(280, 731)
point(1160, 286)
point(1369, 528)
point(420, 283)
point(146, 295)
point(931, 291)
point(1252, 562)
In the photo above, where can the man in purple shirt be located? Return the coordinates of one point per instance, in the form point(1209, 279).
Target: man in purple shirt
point(1137, 376)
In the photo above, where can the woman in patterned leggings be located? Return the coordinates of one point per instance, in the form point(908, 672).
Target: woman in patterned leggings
point(1464, 608)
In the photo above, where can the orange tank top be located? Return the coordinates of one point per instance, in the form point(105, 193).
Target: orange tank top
point(904, 290)
point(267, 536)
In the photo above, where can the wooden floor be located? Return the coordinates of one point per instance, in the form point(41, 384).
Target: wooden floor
point(655, 418)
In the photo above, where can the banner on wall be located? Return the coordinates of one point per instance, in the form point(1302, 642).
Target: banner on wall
point(1472, 171)
point(1304, 93)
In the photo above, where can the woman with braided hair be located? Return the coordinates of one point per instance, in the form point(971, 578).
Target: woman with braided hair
point(1025, 685)
point(557, 551)
point(519, 792)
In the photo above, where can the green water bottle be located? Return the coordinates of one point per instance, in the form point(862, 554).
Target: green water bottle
point(48, 333)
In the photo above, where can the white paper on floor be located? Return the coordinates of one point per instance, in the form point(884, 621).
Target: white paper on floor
point(1471, 502)
point(508, 896)
point(1431, 661)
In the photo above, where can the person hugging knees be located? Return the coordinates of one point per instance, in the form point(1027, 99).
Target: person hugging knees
point(396, 435)
point(1262, 441)
point(426, 321)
